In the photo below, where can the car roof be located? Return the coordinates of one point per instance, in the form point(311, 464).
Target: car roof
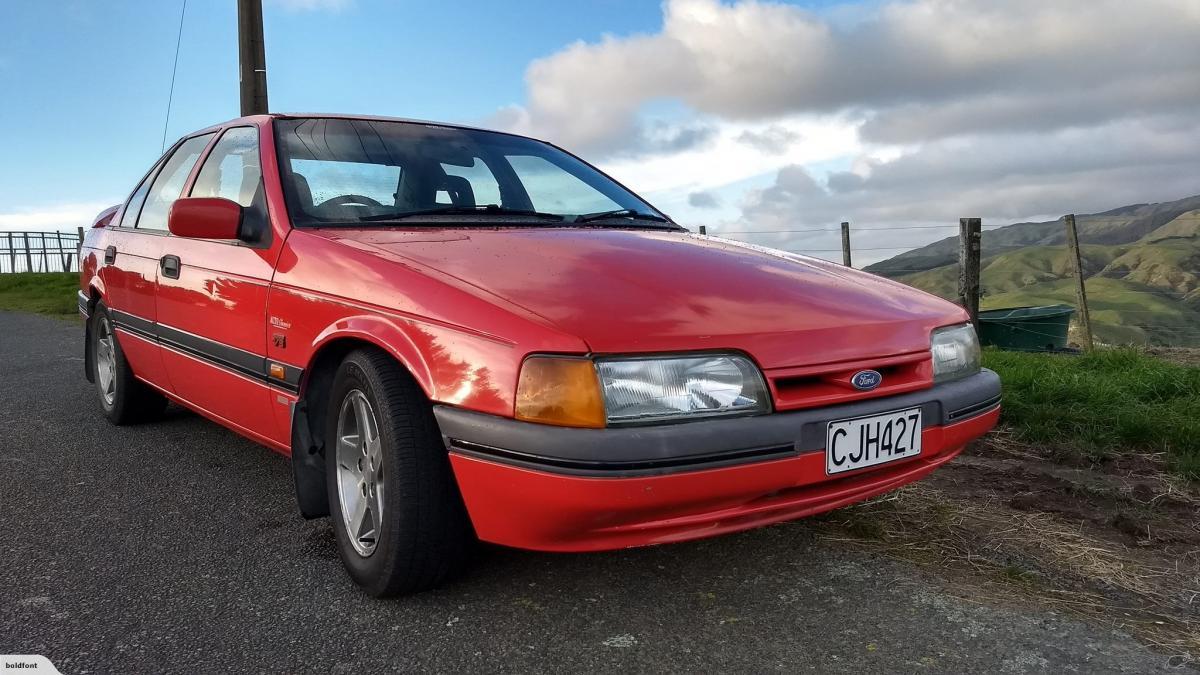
point(248, 119)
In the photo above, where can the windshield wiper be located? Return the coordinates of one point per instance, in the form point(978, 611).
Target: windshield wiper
point(481, 210)
point(620, 213)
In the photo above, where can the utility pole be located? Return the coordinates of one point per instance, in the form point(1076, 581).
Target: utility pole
point(252, 57)
point(969, 235)
point(1085, 319)
point(846, 244)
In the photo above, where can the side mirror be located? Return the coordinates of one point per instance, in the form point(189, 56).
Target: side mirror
point(205, 218)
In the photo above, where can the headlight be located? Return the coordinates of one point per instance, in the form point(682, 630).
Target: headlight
point(578, 392)
point(658, 388)
point(955, 351)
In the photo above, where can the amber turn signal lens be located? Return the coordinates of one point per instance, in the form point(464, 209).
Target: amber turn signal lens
point(561, 391)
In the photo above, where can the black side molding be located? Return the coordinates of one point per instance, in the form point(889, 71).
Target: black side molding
point(218, 354)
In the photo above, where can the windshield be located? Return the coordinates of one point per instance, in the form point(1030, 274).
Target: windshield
point(351, 172)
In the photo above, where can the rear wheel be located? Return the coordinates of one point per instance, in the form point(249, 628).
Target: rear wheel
point(399, 520)
point(124, 398)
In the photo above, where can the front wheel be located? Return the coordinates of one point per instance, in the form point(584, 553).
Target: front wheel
point(123, 397)
point(398, 517)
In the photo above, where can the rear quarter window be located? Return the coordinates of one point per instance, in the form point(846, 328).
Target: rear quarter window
point(168, 185)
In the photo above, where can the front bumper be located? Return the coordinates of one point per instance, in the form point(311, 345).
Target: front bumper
point(560, 489)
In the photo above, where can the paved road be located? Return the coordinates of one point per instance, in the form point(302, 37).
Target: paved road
point(176, 547)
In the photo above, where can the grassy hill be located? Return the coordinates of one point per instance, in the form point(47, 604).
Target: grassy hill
point(1142, 265)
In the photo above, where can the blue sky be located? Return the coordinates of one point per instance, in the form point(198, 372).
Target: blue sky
point(90, 79)
point(744, 115)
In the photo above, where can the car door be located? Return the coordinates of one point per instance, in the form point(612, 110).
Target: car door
point(132, 250)
point(212, 296)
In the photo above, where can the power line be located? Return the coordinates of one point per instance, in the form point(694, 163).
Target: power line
point(836, 230)
point(174, 68)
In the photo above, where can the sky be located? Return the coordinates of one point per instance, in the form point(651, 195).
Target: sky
point(765, 121)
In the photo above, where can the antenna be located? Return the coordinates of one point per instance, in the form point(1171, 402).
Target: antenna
point(171, 94)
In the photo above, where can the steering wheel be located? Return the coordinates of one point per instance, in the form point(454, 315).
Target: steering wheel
point(348, 200)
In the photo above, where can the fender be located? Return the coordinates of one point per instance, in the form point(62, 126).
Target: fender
point(385, 333)
point(308, 452)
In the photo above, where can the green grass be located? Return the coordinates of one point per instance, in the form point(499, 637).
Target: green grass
point(1105, 403)
point(51, 293)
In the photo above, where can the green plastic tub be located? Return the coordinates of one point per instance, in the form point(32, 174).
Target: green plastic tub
point(1026, 329)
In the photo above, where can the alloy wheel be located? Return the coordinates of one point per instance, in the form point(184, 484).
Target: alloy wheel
point(106, 361)
point(360, 478)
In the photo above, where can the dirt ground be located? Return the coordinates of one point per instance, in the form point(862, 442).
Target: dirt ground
point(1184, 356)
point(1117, 543)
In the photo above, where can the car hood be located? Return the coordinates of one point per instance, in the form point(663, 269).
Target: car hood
point(631, 290)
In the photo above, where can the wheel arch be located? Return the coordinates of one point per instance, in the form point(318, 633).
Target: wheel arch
point(308, 418)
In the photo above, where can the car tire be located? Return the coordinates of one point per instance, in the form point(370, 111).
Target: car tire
point(124, 398)
point(397, 514)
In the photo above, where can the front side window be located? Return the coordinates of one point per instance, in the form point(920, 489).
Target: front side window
point(350, 172)
point(165, 188)
point(232, 170)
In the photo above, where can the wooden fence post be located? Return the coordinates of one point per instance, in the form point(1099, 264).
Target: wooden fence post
point(79, 247)
point(846, 244)
point(12, 253)
point(28, 253)
point(1076, 259)
point(970, 232)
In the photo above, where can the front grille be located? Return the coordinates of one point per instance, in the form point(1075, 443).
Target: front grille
point(829, 383)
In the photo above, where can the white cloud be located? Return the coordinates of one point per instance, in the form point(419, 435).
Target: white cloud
point(757, 60)
point(726, 158)
point(935, 108)
point(65, 217)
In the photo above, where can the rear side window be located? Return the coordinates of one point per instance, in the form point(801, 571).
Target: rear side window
point(232, 170)
point(130, 214)
point(165, 188)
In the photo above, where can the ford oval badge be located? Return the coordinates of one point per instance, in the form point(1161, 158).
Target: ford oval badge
point(866, 380)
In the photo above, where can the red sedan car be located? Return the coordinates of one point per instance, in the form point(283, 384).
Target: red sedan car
point(460, 334)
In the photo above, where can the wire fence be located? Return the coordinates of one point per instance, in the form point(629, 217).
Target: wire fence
point(39, 252)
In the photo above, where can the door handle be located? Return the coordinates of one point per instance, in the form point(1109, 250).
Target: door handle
point(169, 264)
point(110, 255)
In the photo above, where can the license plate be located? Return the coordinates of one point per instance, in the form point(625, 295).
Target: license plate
point(869, 441)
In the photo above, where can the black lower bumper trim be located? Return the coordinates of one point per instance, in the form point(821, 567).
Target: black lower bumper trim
point(699, 444)
point(709, 460)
